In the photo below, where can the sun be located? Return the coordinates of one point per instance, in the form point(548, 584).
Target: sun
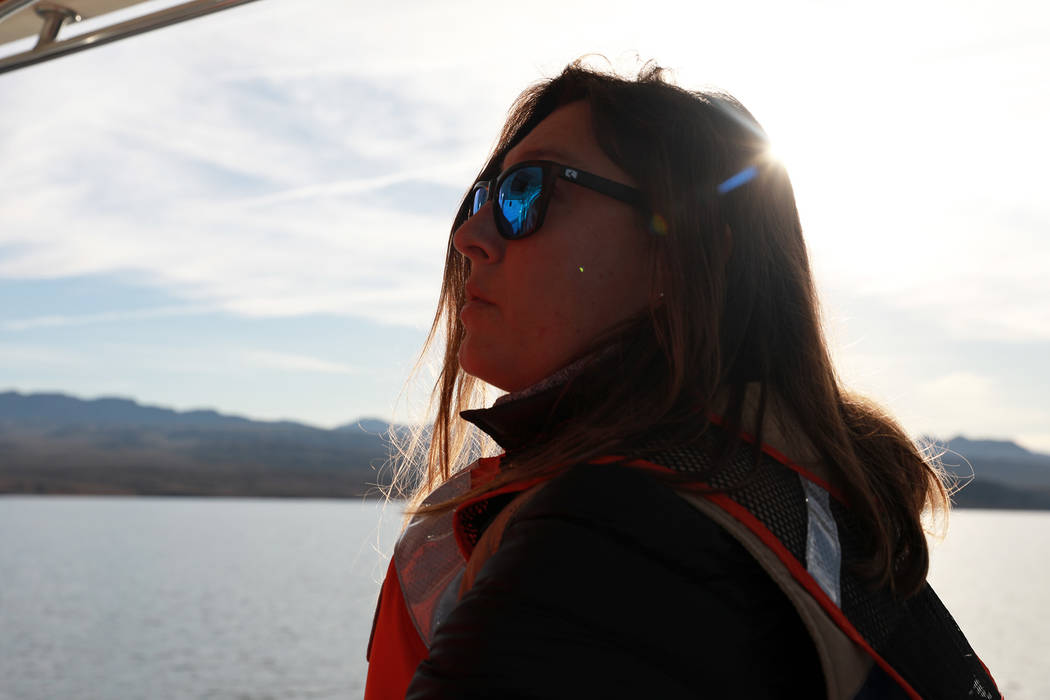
point(777, 153)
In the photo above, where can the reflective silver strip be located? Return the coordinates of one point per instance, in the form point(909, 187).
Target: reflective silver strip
point(823, 550)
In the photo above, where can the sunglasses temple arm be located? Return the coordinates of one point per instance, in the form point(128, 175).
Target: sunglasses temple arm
point(630, 195)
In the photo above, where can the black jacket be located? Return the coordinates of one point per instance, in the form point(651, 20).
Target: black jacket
point(608, 584)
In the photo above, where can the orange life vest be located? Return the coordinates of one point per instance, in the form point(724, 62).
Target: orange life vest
point(421, 584)
point(435, 559)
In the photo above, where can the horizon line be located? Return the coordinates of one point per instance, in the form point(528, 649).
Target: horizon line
point(923, 435)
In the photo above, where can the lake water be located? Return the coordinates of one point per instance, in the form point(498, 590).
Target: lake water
point(115, 598)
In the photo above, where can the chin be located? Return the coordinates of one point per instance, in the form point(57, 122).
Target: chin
point(484, 369)
point(476, 366)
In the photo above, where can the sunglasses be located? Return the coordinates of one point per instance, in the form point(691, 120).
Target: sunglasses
point(524, 190)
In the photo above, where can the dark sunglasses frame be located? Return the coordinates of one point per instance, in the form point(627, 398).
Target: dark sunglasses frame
point(551, 172)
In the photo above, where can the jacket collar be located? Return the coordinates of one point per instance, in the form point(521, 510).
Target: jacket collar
point(520, 418)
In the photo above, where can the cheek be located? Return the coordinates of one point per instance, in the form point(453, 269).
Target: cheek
point(570, 309)
point(614, 285)
point(559, 294)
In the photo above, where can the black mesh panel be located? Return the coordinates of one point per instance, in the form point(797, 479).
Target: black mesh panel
point(917, 637)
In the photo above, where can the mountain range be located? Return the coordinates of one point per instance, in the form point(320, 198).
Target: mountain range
point(54, 443)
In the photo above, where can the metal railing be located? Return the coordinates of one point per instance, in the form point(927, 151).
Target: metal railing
point(53, 16)
point(9, 7)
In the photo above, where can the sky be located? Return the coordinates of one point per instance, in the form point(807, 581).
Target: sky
point(249, 211)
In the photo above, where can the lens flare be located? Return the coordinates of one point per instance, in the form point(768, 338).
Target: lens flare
point(741, 178)
point(658, 225)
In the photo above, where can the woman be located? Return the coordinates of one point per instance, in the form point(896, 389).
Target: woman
point(688, 503)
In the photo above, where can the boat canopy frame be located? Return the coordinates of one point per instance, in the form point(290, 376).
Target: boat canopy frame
point(52, 16)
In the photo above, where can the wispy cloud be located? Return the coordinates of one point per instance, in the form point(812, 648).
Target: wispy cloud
point(434, 174)
point(59, 320)
point(296, 363)
point(253, 194)
point(40, 355)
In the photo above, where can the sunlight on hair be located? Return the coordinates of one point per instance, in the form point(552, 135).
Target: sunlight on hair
point(934, 518)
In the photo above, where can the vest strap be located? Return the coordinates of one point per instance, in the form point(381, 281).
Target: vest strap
point(846, 666)
point(492, 537)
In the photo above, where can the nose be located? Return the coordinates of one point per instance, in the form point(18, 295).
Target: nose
point(477, 238)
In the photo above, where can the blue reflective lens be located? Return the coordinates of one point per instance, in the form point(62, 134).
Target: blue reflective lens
point(479, 197)
point(516, 199)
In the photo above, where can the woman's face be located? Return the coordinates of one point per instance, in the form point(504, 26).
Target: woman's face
point(535, 304)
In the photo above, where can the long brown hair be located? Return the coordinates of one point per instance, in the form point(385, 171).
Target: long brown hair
point(736, 306)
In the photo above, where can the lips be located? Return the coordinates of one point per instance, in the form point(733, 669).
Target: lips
point(473, 295)
point(476, 307)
